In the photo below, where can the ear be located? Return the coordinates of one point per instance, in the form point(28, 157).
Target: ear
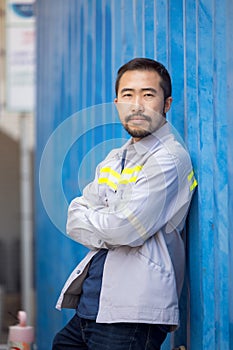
point(116, 103)
point(167, 104)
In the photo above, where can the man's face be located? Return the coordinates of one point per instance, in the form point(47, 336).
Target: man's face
point(140, 103)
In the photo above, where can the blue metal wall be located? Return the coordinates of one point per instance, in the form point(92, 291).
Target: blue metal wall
point(81, 43)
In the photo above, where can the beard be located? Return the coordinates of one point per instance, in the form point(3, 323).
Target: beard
point(138, 132)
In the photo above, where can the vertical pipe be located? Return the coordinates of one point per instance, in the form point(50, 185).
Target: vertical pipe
point(26, 219)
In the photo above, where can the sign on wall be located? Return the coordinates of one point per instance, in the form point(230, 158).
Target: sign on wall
point(20, 55)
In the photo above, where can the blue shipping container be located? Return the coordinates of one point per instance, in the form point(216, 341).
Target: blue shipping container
point(80, 46)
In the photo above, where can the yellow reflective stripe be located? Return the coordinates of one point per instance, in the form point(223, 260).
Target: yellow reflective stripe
point(132, 170)
point(110, 171)
point(135, 221)
point(126, 181)
point(133, 179)
point(190, 175)
point(123, 182)
point(193, 185)
point(116, 177)
point(105, 180)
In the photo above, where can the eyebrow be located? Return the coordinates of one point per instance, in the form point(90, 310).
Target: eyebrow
point(143, 89)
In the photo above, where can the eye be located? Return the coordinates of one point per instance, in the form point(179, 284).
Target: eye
point(127, 94)
point(148, 95)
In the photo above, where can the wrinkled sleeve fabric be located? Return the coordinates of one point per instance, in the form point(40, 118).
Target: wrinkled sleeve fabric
point(138, 212)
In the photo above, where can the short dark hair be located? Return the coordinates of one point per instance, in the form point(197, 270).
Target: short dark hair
point(149, 65)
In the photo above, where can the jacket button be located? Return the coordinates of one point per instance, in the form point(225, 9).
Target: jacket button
point(78, 272)
point(99, 241)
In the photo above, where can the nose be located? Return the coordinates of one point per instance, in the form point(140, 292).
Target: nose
point(137, 105)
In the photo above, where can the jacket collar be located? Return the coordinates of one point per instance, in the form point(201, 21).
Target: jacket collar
point(146, 143)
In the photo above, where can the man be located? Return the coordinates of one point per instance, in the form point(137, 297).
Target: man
point(126, 290)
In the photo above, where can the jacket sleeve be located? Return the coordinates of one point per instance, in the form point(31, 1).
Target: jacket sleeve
point(160, 193)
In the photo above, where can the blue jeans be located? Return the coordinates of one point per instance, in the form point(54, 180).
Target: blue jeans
point(85, 334)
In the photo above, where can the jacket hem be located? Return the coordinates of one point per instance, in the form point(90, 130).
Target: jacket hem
point(152, 316)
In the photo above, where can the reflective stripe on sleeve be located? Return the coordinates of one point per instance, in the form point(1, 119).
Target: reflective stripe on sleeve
point(194, 181)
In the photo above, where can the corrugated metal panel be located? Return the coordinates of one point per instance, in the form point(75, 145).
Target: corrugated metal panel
point(81, 44)
point(206, 102)
point(229, 172)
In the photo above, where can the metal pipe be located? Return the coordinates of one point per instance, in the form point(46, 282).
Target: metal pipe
point(26, 220)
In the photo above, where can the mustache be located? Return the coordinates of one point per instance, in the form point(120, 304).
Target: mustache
point(131, 116)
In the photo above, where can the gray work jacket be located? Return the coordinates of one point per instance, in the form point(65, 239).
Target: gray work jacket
point(138, 214)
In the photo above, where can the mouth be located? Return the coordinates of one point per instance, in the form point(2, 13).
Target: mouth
point(137, 119)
